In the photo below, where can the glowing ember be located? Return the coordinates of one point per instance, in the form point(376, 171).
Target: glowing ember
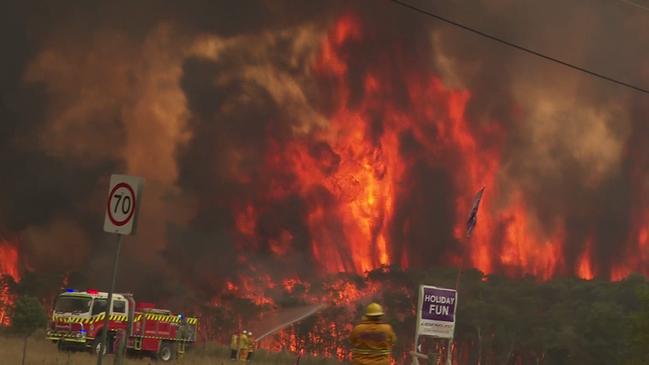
point(289, 284)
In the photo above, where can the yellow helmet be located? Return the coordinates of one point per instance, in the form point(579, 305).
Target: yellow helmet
point(374, 310)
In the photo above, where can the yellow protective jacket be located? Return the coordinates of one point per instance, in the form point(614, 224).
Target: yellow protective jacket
point(243, 342)
point(372, 343)
point(234, 344)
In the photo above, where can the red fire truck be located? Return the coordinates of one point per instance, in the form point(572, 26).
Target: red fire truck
point(78, 318)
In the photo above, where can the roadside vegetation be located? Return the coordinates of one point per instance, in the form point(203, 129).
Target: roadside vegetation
point(500, 320)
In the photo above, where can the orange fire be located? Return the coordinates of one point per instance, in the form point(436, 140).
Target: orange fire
point(342, 292)
point(246, 221)
point(8, 266)
point(584, 265)
point(251, 288)
point(9, 260)
point(362, 173)
point(290, 284)
point(523, 251)
point(352, 174)
point(328, 337)
point(637, 255)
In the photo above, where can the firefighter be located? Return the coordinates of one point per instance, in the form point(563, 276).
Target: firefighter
point(234, 346)
point(243, 346)
point(372, 339)
point(183, 331)
point(251, 346)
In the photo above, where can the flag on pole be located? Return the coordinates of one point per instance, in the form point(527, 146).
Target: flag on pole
point(473, 215)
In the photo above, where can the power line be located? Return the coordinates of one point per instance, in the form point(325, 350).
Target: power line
point(633, 3)
point(519, 47)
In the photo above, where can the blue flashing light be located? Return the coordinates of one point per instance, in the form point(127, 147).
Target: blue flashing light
point(70, 290)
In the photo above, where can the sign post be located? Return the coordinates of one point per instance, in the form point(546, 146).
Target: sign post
point(436, 314)
point(122, 209)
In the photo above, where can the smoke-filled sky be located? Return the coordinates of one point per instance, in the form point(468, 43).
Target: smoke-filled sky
point(297, 138)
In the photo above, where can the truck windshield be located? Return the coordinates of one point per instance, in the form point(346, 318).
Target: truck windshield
point(72, 304)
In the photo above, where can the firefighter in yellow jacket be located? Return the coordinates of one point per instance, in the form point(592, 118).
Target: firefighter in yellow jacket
point(234, 347)
point(252, 344)
point(372, 339)
point(243, 346)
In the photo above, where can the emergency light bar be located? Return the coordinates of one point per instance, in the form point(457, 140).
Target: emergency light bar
point(92, 291)
point(70, 290)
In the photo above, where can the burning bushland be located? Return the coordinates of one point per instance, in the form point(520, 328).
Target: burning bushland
point(499, 320)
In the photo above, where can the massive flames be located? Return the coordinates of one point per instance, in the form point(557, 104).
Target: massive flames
point(354, 172)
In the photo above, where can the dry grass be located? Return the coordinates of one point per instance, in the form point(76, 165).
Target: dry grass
point(43, 352)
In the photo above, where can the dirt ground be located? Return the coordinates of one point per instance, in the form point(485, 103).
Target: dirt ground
point(43, 352)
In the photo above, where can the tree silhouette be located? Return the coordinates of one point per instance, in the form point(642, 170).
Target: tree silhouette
point(27, 316)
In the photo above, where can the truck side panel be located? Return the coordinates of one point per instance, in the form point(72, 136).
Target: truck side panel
point(150, 327)
point(163, 329)
point(150, 344)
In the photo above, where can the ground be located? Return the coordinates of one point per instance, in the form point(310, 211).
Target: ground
point(43, 352)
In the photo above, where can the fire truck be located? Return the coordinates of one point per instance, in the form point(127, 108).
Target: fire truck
point(78, 318)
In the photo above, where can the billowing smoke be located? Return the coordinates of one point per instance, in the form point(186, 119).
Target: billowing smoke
point(298, 139)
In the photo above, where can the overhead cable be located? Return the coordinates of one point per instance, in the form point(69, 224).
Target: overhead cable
point(519, 47)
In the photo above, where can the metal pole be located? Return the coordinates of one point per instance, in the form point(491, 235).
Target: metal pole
point(415, 360)
point(104, 330)
point(449, 352)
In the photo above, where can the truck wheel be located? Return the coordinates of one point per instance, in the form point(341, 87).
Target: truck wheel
point(96, 345)
point(166, 352)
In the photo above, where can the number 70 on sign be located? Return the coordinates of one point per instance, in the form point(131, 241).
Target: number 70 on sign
point(123, 204)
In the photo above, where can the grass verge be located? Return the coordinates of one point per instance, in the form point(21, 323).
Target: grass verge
point(43, 352)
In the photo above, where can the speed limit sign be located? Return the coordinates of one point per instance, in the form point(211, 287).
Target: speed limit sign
point(123, 204)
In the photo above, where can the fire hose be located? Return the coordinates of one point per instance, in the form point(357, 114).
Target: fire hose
point(302, 316)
